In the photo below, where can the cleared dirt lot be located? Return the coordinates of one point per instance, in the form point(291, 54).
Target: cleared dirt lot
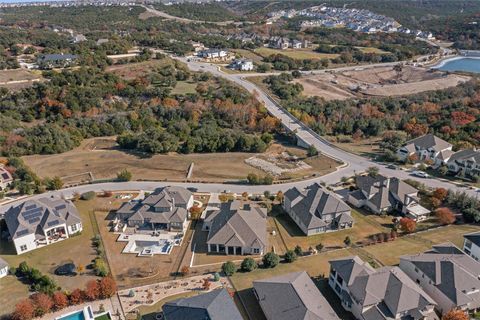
point(381, 81)
point(18, 78)
point(101, 158)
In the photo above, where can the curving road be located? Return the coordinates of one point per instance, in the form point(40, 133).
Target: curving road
point(352, 163)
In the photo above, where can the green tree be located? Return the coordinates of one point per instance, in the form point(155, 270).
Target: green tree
point(298, 250)
point(124, 175)
point(373, 171)
point(229, 268)
point(252, 178)
point(290, 256)
point(54, 184)
point(248, 265)
point(270, 260)
point(312, 151)
point(347, 241)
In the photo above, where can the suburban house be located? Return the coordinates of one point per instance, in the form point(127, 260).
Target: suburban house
point(427, 147)
point(242, 65)
point(381, 194)
point(6, 178)
point(317, 210)
point(448, 275)
point(164, 209)
point(237, 228)
point(50, 61)
point(37, 223)
point(3, 268)
point(214, 305)
point(471, 245)
point(213, 54)
point(292, 296)
point(384, 293)
point(465, 163)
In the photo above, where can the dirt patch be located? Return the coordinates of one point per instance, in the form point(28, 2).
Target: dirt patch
point(132, 71)
point(381, 81)
point(18, 79)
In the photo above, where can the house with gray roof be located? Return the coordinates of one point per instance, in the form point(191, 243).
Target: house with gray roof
point(164, 209)
point(381, 194)
point(50, 61)
point(316, 210)
point(471, 245)
point(39, 222)
point(427, 147)
point(448, 275)
point(384, 293)
point(3, 268)
point(465, 163)
point(6, 178)
point(214, 305)
point(237, 228)
point(292, 296)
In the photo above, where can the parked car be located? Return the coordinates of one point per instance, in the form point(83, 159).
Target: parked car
point(420, 174)
point(393, 167)
point(68, 269)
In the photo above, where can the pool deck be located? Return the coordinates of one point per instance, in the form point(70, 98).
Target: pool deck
point(161, 238)
point(95, 305)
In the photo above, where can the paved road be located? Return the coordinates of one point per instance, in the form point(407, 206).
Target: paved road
point(352, 163)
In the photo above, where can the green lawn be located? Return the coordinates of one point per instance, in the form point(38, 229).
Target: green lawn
point(295, 53)
point(248, 54)
point(184, 87)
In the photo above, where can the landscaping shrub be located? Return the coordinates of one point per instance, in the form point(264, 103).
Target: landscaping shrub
point(124, 175)
point(100, 267)
point(38, 281)
point(270, 260)
point(298, 250)
point(290, 256)
point(216, 277)
point(248, 264)
point(229, 268)
point(88, 195)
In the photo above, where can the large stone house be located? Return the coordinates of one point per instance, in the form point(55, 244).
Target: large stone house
point(427, 147)
point(465, 163)
point(292, 296)
point(317, 210)
point(165, 209)
point(237, 228)
point(50, 61)
point(448, 275)
point(37, 223)
point(380, 194)
point(375, 294)
point(471, 245)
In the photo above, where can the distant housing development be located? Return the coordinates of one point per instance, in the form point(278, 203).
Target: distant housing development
point(317, 210)
point(385, 293)
point(448, 275)
point(292, 296)
point(237, 228)
point(37, 223)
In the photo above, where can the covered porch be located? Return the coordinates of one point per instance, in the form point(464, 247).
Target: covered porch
point(227, 250)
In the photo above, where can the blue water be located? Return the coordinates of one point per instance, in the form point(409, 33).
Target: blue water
point(462, 64)
point(74, 316)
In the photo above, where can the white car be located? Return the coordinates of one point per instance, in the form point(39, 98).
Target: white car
point(420, 174)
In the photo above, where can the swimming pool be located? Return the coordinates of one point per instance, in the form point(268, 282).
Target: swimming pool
point(74, 316)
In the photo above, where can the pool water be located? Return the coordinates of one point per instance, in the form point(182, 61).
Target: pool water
point(74, 316)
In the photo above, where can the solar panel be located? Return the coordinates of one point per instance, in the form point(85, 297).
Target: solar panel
point(22, 233)
point(52, 223)
point(5, 176)
point(34, 220)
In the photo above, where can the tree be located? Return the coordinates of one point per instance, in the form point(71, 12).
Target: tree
point(185, 270)
point(440, 194)
point(445, 215)
point(290, 256)
point(248, 265)
point(80, 268)
point(43, 303)
point(279, 197)
point(252, 178)
point(54, 184)
point(312, 151)
point(88, 195)
point(455, 315)
point(124, 175)
point(92, 290)
point(229, 268)
point(408, 225)
point(24, 310)
point(347, 241)
point(216, 277)
point(60, 300)
point(206, 284)
point(270, 260)
point(76, 297)
point(373, 171)
point(298, 250)
point(107, 287)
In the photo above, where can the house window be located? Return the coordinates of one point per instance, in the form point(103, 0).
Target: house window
point(23, 247)
point(256, 250)
point(74, 227)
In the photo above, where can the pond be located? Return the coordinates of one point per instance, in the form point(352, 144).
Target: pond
point(467, 64)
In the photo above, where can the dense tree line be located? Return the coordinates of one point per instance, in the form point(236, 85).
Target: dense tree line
point(200, 11)
point(452, 114)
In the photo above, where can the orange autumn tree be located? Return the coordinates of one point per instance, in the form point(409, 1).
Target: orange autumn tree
point(24, 310)
point(445, 215)
point(455, 315)
point(408, 225)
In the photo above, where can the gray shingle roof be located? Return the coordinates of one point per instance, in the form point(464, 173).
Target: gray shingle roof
point(237, 224)
point(429, 141)
point(467, 154)
point(57, 57)
point(350, 267)
point(292, 296)
point(313, 203)
point(30, 215)
point(452, 272)
point(473, 237)
point(214, 305)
